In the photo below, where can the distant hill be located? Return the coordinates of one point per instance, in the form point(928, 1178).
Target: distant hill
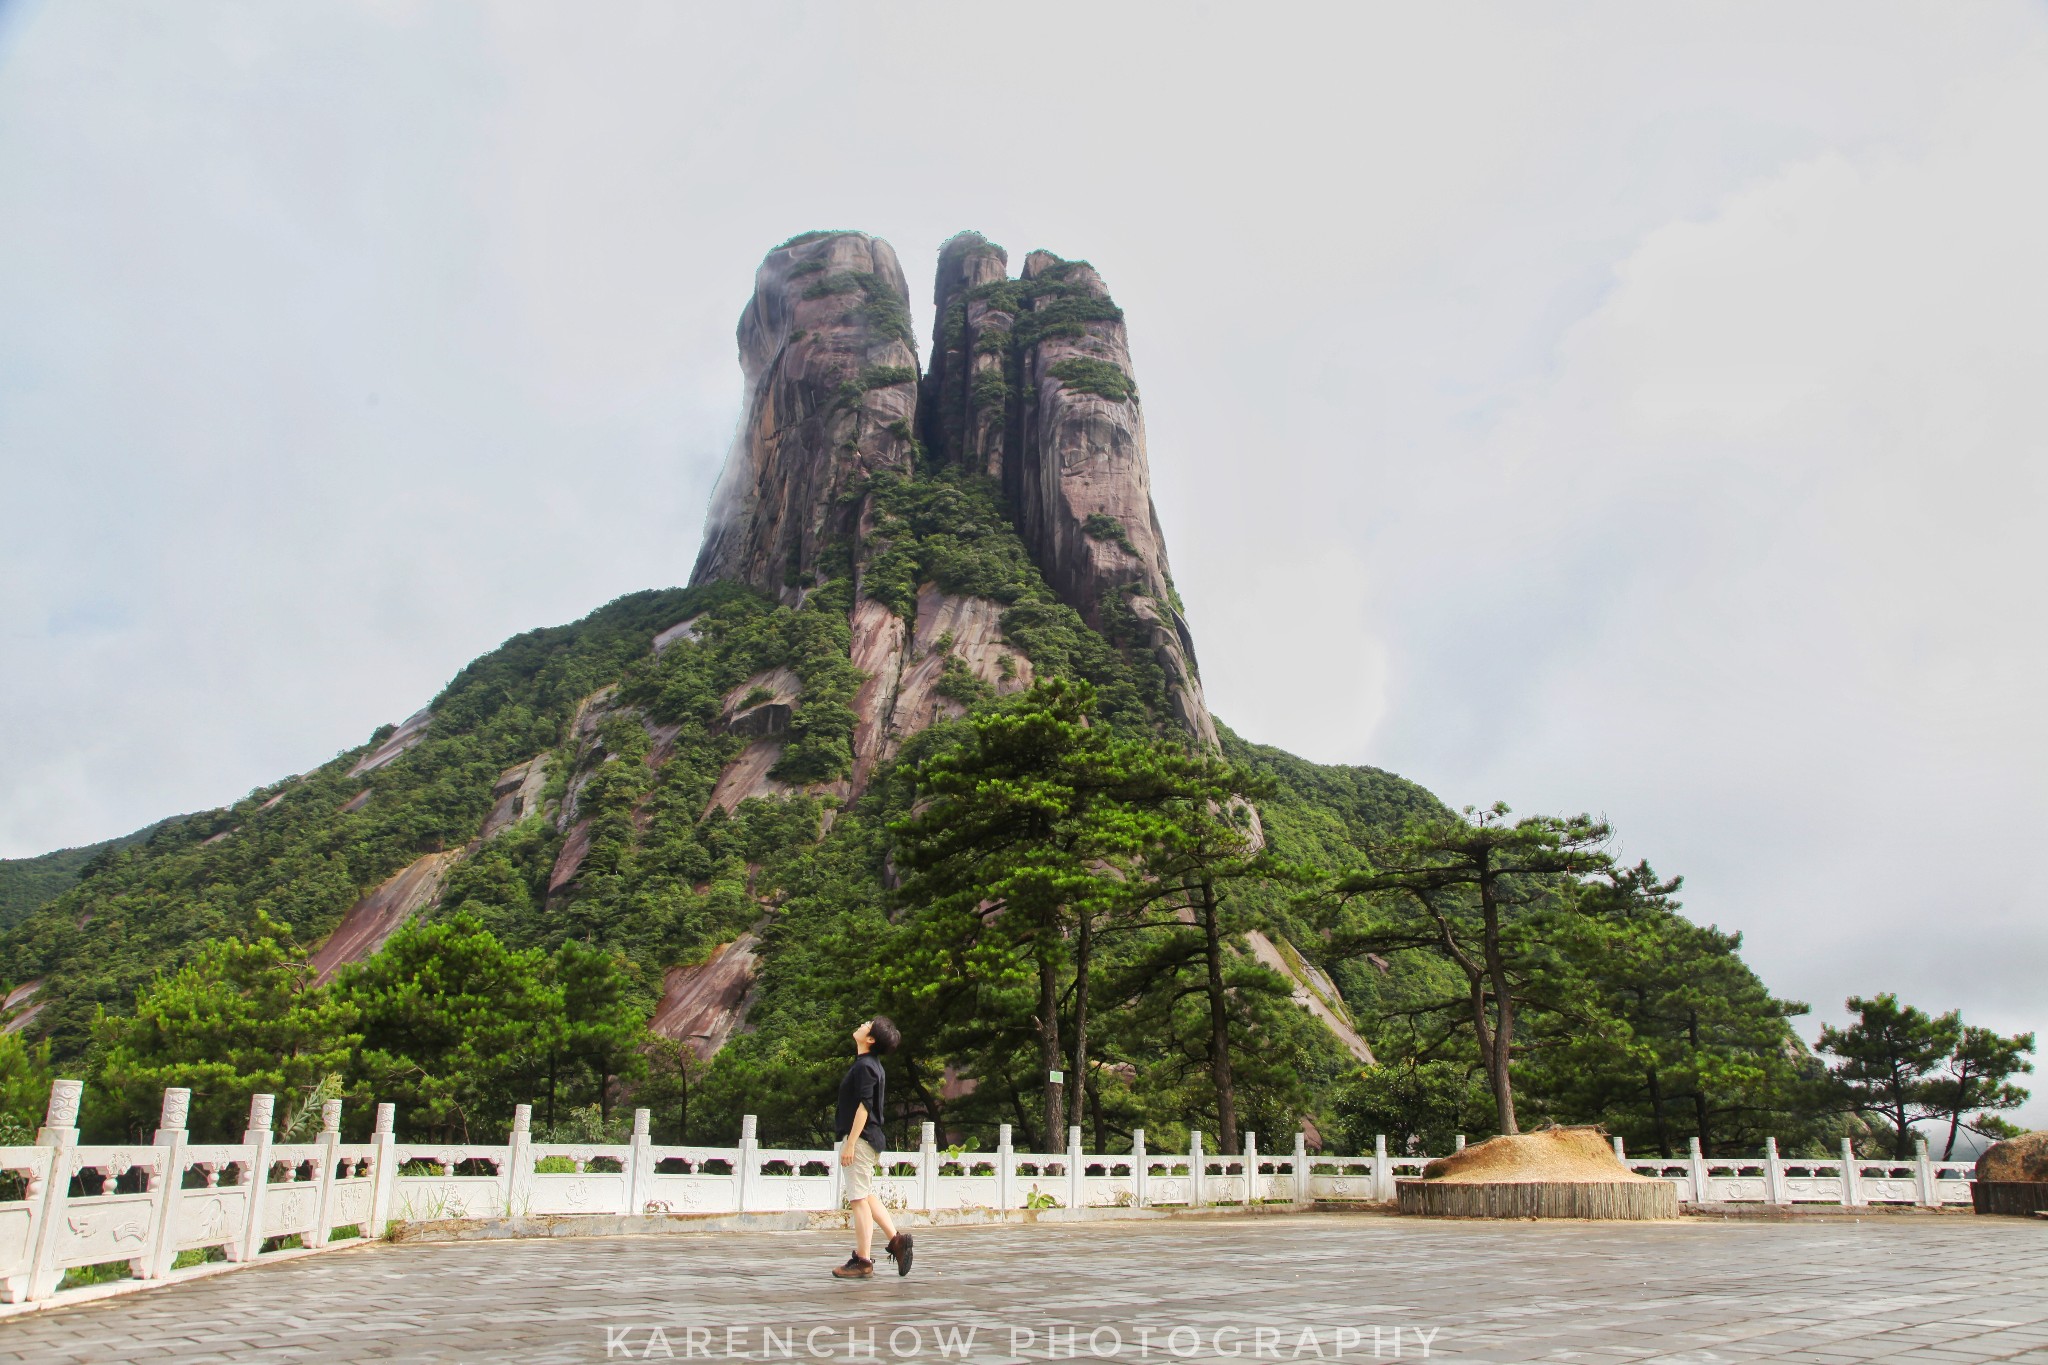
point(29, 884)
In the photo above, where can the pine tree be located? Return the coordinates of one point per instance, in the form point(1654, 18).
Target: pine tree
point(1888, 1057)
point(1457, 885)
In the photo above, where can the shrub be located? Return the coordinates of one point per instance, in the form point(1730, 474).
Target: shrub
point(1095, 376)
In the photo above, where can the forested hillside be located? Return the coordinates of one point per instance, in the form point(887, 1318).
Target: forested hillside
point(28, 884)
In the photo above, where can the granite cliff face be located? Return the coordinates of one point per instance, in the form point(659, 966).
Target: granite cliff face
point(1030, 384)
point(965, 402)
point(1081, 480)
point(831, 376)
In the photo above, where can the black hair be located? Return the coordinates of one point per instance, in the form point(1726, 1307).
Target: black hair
point(883, 1035)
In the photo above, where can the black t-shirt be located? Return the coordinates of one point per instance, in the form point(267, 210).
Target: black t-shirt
point(863, 1083)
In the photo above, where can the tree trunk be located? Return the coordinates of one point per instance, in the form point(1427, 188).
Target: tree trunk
point(1657, 1113)
point(1699, 1115)
point(1480, 1028)
point(1095, 1113)
point(1955, 1115)
point(1219, 1024)
point(1049, 1048)
point(1084, 946)
point(1503, 1008)
point(682, 1092)
point(1023, 1121)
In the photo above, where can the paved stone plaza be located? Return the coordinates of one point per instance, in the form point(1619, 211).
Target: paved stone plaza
point(1821, 1290)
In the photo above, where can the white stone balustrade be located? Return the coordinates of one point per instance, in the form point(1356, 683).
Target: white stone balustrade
point(63, 1205)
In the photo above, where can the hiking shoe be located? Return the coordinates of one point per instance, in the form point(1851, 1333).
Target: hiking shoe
point(854, 1269)
point(899, 1247)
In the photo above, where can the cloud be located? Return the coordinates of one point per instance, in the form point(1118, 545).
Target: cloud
point(1753, 568)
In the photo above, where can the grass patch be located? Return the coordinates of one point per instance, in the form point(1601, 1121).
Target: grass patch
point(1102, 526)
point(105, 1272)
point(1095, 376)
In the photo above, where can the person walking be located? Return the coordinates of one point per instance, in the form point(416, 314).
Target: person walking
point(861, 1142)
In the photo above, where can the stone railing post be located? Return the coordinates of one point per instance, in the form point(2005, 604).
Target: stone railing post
point(1924, 1193)
point(928, 1167)
point(170, 1137)
point(1460, 1144)
point(256, 1138)
point(1774, 1174)
point(1852, 1178)
point(640, 1165)
point(1697, 1161)
point(383, 1170)
point(744, 1170)
point(1299, 1174)
point(515, 1182)
point(1198, 1174)
point(1620, 1153)
point(1251, 1170)
point(1006, 1180)
point(1077, 1184)
point(1138, 1164)
point(1382, 1170)
point(323, 1200)
point(60, 1132)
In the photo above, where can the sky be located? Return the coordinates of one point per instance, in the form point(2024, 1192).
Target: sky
point(1626, 408)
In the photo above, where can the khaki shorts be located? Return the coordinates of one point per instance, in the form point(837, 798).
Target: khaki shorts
point(860, 1176)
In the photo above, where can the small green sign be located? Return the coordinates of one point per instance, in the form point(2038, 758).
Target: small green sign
point(1056, 1076)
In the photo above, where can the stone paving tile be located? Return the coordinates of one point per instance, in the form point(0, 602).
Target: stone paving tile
point(1954, 1291)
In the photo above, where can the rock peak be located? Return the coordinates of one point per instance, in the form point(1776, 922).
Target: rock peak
point(830, 363)
point(1032, 383)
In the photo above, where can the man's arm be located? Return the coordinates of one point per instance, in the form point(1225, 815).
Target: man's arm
point(860, 1125)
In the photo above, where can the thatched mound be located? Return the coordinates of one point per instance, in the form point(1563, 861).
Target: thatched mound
point(1554, 1173)
point(1550, 1154)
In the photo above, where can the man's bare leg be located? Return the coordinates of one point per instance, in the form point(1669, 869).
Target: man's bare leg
point(878, 1212)
point(864, 1227)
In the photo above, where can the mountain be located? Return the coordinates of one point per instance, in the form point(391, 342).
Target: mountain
point(28, 884)
point(701, 778)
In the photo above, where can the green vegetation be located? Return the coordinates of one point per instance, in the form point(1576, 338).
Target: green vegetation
point(879, 310)
point(845, 282)
point(1899, 1065)
point(1083, 375)
point(961, 683)
point(301, 861)
point(25, 1076)
point(989, 390)
point(1459, 885)
point(1655, 1026)
point(446, 1021)
point(875, 377)
point(1102, 526)
point(28, 884)
point(948, 527)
